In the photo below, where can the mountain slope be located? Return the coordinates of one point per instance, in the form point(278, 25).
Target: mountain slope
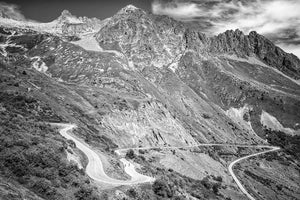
point(140, 80)
point(65, 25)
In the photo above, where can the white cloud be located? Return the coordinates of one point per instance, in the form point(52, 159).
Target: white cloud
point(290, 48)
point(10, 11)
point(266, 17)
point(178, 10)
point(272, 18)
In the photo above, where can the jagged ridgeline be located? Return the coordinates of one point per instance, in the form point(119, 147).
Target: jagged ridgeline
point(141, 80)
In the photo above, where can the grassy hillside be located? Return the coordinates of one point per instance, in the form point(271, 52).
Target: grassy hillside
point(33, 154)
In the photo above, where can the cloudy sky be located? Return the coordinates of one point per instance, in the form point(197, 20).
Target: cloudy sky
point(279, 20)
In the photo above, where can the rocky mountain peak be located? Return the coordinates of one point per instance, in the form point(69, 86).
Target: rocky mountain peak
point(254, 44)
point(130, 10)
point(145, 39)
point(67, 18)
point(65, 13)
point(129, 7)
point(151, 40)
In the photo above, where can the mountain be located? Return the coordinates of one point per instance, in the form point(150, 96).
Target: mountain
point(65, 24)
point(156, 86)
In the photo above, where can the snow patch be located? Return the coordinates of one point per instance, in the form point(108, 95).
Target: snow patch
point(131, 65)
point(272, 123)
point(173, 67)
point(72, 20)
point(2, 50)
point(39, 65)
point(89, 43)
point(129, 8)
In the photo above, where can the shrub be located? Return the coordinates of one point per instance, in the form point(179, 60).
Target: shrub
point(216, 187)
point(206, 183)
point(130, 154)
point(206, 116)
point(218, 178)
point(141, 151)
point(132, 193)
point(84, 193)
point(161, 188)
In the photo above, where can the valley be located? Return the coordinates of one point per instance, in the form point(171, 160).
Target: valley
point(140, 106)
point(95, 170)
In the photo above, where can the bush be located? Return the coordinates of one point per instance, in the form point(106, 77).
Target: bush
point(141, 151)
point(84, 193)
point(161, 188)
point(132, 193)
point(130, 154)
point(206, 183)
point(206, 116)
point(218, 178)
point(290, 144)
point(216, 187)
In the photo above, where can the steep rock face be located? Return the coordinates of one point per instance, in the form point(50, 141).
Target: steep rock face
point(144, 39)
point(160, 41)
point(275, 56)
point(234, 83)
point(218, 64)
point(235, 42)
point(151, 125)
point(72, 25)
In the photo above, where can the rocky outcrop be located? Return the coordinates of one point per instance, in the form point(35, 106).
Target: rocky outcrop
point(144, 39)
point(148, 40)
point(275, 56)
point(235, 42)
point(72, 25)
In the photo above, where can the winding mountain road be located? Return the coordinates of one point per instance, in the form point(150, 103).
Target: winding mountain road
point(231, 165)
point(95, 169)
point(230, 168)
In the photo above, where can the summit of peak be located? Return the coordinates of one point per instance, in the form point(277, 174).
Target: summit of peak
point(67, 17)
point(130, 7)
point(66, 13)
